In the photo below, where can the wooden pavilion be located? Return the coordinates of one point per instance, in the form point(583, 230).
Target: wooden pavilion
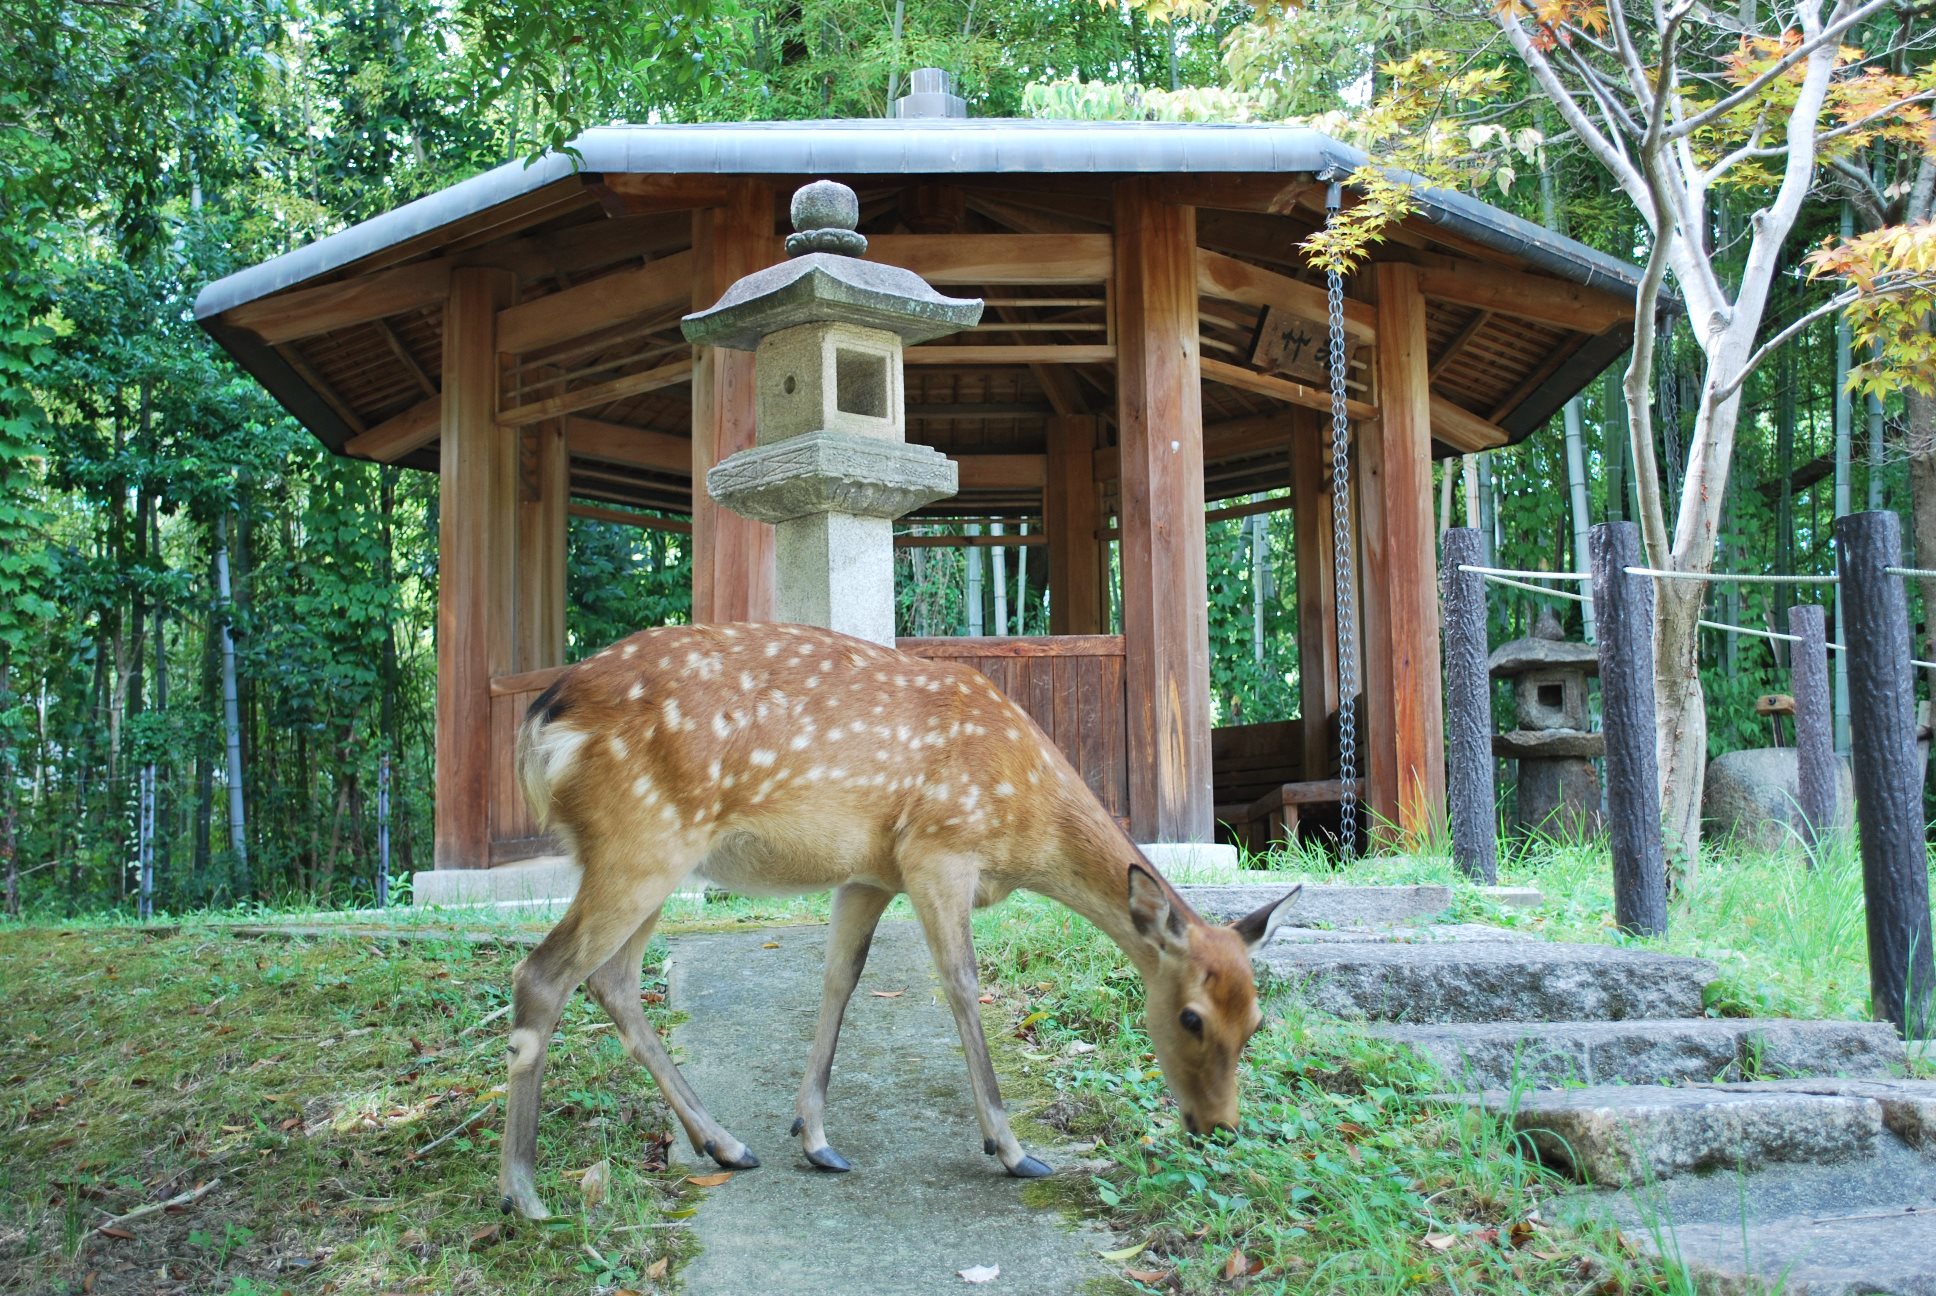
point(1150, 349)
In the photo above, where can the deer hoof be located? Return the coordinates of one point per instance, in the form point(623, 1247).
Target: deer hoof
point(524, 1203)
point(1030, 1168)
point(745, 1161)
point(827, 1159)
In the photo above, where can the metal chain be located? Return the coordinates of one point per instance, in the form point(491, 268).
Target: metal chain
point(1341, 551)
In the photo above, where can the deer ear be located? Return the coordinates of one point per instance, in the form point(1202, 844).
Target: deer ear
point(1256, 928)
point(1156, 919)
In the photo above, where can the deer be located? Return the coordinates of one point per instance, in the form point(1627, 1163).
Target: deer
point(781, 759)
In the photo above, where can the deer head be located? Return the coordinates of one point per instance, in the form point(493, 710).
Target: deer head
point(1201, 994)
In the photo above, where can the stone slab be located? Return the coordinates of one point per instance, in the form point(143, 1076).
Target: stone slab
point(1908, 1106)
point(1198, 861)
point(1500, 1055)
point(1321, 903)
point(1623, 1135)
point(922, 1201)
point(533, 883)
point(1485, 981)
point(1891, 1252)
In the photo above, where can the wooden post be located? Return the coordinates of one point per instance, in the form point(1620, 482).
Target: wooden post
point(1888, 780)
point(476, 592)
point(1814, 728)
point(1623, 609)
point(1160, 424)
point(1403, 735)
point(1317, 603)
point(1468, 699)
point(732, 556)
point(543, 497)
point(1073, 508)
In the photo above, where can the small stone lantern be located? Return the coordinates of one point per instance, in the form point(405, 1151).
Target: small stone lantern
point(1558, 790)
point(831, 467)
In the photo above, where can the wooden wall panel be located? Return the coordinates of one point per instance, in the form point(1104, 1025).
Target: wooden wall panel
point(542, 502)
point(732, 556)
point(1317, 583)
point(1160, 428)
point(1078, 558)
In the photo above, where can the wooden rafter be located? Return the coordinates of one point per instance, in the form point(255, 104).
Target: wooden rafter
point(597, 514)
point(402, 353)
point(1030, 354)
point(665, 375)
point(1538, 298)
point(1458, 341)
point(306, 312)
point(400, 434)
point(1283, 389)
point(596, 304)
point(1463, 430)
point(307, 372)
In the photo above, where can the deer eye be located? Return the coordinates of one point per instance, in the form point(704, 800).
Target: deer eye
point(1191, 1021)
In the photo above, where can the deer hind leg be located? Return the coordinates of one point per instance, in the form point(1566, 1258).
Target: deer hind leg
point(856, 912)
point(616, 988)
point(602, 917)
point(944, 909)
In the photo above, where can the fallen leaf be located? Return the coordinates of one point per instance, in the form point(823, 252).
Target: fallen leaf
point(597, 1178)
point(87, 1283)
point(887, 994)
point(1239, 1265)
point(771, 945)
point(1441, 1241)
point(487, 1234)
point(652, 996)
point(986, 999)
point(116, 1231)
point(1151, 1276)
point(709, 1180)
point(657, 1269)
point(1547, 1256)
point(1078, 1047)
point(1123, 1254)
point(980, 1273)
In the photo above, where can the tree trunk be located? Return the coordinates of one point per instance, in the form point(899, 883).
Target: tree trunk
point(1681, 713)
point(1920, 442)
point(9, 859)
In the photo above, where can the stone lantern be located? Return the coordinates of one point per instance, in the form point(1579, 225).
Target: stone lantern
point(1558, 790)
point(831, 467)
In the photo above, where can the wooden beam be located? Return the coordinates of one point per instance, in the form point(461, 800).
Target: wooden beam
point(475, 591)
point(1403, 734)
point(1228, 279)
point(541, 547)
point(732, 556)
point(1463, 430)
point(1458, 341)
point(591, 438)
point(1160, 423)
point(596, 304)
point(305, 312)
point(1317, 599)
point(1072, 504)
point(1030, 541)
point(618, 517)
point(1538, 298)
point(944, 259)
point(404, 358)
point(996, 471)
point(320, 385)
point(1031, 354)
point(400, 434)
point(1292, 393)
point(646, 380)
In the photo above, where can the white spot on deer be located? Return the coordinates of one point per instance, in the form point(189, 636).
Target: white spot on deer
point(938, 792)
point(773, 648)
point(619, 749)
point(1004, 789)
point(815, 774)
point(1035, 775)
point(813, 681)
point(629, 650)
point(800, 741)
point(722, 727)
point(1013, 733)
point(712, 770)
point(642, 788)
point(636, 692)
point(671, 713)
point(762, 757)
point(746, 682)
point(729, 780)
point(665, 663)
point(973, 795)
point(883, 754)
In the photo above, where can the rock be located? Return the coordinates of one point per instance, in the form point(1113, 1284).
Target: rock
point(1558, 798)
point(1478, 981)
point(1319, 903)
point(1537, 744)
point(1752, 795)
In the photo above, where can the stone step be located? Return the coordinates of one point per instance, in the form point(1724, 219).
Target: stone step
point(1484, 980)
point(1500, 1055)
point(1338, 906)
point(1618, 1136)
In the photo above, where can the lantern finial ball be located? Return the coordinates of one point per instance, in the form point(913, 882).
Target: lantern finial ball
point(824, 216)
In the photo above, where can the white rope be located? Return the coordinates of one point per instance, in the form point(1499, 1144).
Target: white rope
point(1535, 589)
point(1748, 578)
point(1914, 573)
point(1526, 575)
point(1765, 634)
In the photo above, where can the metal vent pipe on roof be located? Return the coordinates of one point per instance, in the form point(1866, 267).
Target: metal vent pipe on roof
point(931, 93)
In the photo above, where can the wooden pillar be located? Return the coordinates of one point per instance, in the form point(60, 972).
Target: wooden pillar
point(1317, 586)
point(1160, 420)
point(476, 543)
point(732, 556)
point(1403, 736)
point(1072, 503)
point(544, 494)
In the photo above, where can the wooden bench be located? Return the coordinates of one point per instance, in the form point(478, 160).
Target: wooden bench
point(1262, 787)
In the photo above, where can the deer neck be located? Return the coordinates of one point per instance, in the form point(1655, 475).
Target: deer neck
point(1094, 882)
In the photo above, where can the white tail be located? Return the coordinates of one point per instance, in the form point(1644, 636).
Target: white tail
point(777, 759)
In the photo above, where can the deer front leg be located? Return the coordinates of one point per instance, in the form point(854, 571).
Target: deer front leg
point(616, 988)
point(944, 913)
point(850, 932)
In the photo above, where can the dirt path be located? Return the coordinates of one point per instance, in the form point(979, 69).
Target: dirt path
point(921, 1203)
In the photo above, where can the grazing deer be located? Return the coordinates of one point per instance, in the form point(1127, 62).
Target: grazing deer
point(776, 759)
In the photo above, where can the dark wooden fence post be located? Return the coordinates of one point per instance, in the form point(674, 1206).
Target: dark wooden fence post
point(1468, 711)
point(1623, 607)
point(1814, 728)
point(1888, 784)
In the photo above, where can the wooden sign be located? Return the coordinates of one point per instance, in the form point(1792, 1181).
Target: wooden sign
point(1294, 346)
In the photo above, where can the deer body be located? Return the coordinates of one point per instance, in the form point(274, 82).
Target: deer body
point(786, 759)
